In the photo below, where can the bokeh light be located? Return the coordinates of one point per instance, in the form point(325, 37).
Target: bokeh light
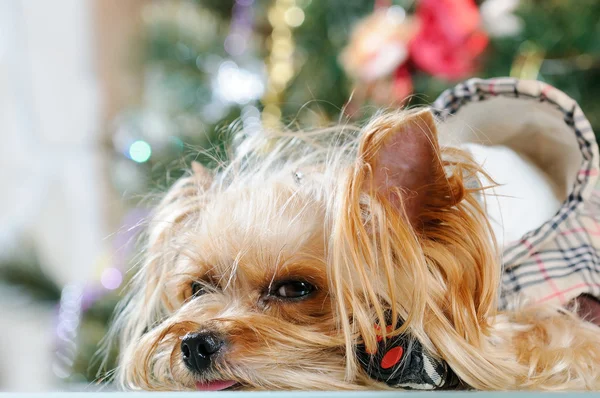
point(236, 85)
point(140, 151)
point(111, 278)
point(294, 17)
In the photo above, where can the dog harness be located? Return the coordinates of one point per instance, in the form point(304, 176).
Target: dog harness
point(402, 362)
point(554, 263)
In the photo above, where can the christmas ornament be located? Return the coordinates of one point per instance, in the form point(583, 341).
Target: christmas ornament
point(443, 38)
point(376, 58)
point(450, 39)
point(379, 44)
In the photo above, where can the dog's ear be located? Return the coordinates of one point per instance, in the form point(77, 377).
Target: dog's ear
point(402, 156)
point(202, 175)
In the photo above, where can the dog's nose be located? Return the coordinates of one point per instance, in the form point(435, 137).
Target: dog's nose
point(198, 348)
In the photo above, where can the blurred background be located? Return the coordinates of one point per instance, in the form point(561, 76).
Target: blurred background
point(105, 102)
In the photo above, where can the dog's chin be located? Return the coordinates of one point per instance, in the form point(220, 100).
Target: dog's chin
point(217, 385)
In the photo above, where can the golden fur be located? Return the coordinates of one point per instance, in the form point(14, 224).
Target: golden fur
point(417, 245)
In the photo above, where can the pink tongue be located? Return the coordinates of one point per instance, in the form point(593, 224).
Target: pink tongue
point(215, 385)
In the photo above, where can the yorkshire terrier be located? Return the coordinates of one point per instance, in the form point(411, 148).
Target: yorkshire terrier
point(340, 259)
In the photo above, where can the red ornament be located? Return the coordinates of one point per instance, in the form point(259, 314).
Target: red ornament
point(450, 39)
point(402, 85)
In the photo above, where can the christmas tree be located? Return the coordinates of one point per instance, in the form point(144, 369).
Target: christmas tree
point(215, 66)
point(200, 56)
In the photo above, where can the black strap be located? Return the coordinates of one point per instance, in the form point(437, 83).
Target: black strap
point(401, 362)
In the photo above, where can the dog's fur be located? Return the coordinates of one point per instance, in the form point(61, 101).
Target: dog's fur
point(380, 220)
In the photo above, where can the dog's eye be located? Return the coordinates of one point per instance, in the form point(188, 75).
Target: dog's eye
point(293, 290)
point(197, 289)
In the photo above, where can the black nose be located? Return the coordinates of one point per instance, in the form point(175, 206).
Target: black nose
point(198, 348)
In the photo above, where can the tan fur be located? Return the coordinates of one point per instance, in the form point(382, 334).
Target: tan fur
point(366, 249)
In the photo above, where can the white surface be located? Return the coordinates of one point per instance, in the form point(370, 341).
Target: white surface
point(525, 197)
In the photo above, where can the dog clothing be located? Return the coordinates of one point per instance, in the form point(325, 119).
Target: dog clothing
point(558, 260)
point(547, 218)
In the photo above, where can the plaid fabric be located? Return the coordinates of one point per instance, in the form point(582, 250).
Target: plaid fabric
point(559, 260)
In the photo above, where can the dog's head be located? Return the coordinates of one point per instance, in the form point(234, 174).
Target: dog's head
point(267, 273)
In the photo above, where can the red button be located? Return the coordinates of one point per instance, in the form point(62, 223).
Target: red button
point(392, 357)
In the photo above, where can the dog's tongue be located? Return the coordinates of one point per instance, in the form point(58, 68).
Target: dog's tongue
point(214, 385)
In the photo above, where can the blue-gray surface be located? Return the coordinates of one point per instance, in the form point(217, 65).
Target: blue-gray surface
point(337, 394)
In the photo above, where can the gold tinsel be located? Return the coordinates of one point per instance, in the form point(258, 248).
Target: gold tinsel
point(284, 15)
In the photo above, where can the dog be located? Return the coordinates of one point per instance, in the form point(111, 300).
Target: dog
point(278, 271)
